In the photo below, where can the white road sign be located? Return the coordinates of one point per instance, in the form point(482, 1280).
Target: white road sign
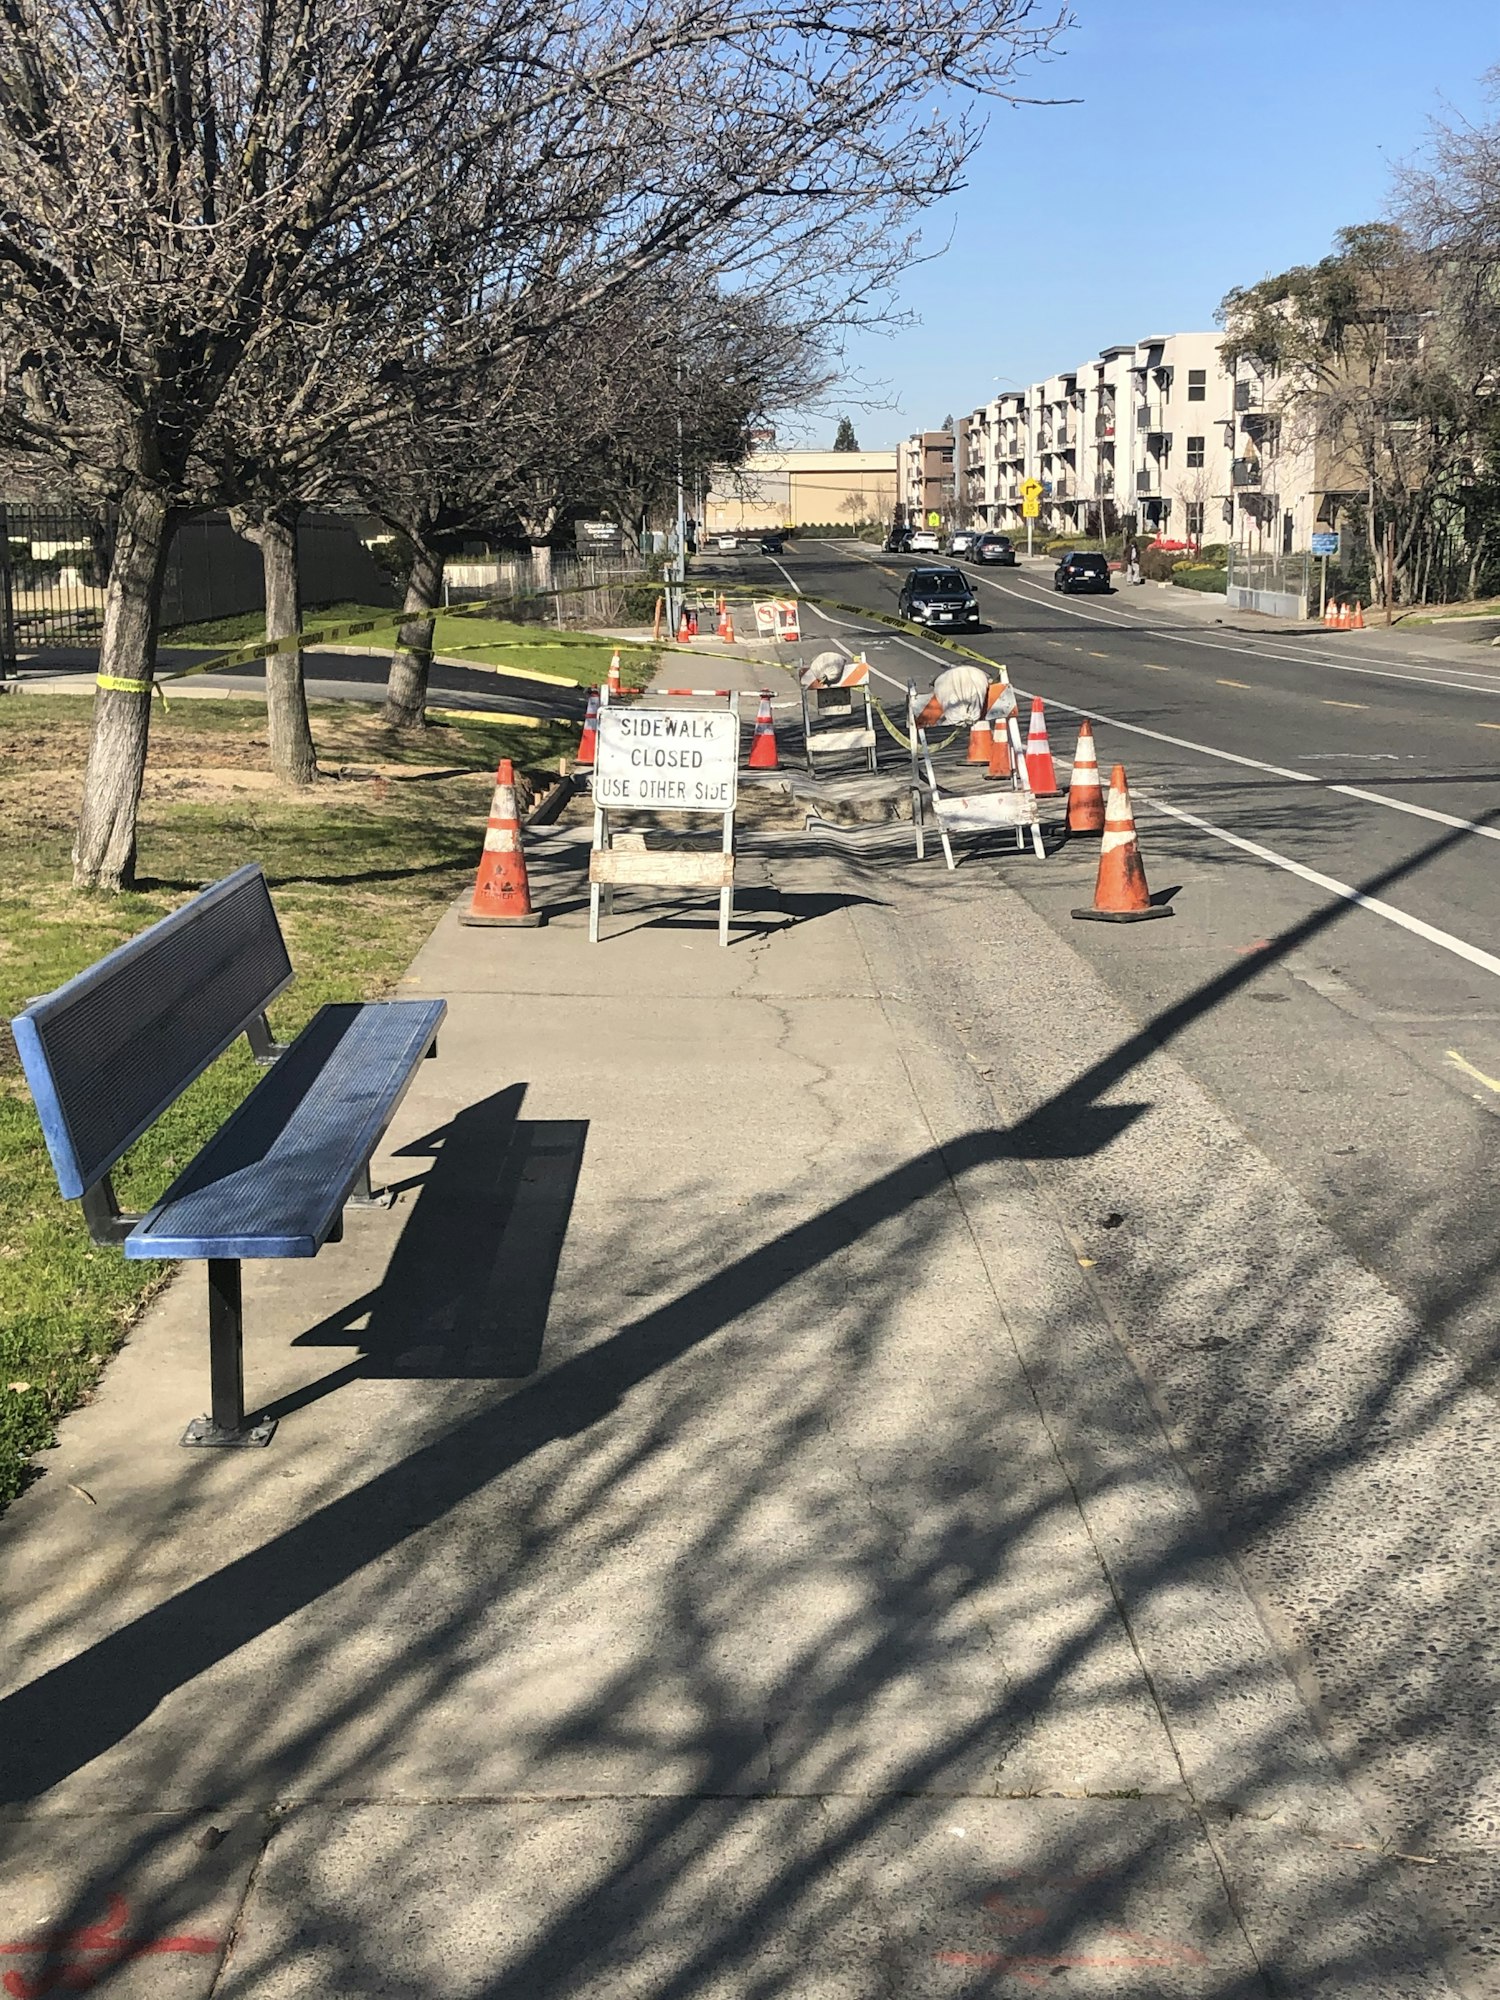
point(667, 760)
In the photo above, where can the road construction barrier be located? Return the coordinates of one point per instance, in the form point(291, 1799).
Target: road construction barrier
point(969, 812)
point(778, 619)
point(660, 760)
point(502, 891)
point(1085, 798)
point(838, 722)
point(1120, 892)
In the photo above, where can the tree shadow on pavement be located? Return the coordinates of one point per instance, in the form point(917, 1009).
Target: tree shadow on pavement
point(773, 1654)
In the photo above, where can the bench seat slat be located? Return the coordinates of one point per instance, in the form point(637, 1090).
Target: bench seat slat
point(274, 1178)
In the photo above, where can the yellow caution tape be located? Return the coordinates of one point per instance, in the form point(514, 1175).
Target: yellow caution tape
point(117, 684)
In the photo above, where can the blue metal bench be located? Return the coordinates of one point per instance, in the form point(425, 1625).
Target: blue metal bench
point(109, 1052)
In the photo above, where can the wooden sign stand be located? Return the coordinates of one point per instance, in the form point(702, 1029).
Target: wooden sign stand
point(612, 867)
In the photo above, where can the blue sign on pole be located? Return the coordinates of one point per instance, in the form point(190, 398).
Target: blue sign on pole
point(1325, 545)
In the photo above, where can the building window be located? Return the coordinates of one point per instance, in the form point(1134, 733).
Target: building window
point(1197, 385)
point(1194, 518)
point(1195, 452)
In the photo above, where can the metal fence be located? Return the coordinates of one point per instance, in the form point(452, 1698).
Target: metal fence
point(53, 567)
point(583, 591)
point(1280, 585)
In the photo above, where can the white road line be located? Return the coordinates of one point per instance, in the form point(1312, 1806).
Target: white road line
point(1258, 651)
point(1257, 764)
point(1445, 940)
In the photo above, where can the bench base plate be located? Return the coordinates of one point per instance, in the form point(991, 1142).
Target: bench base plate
point(204, 1431)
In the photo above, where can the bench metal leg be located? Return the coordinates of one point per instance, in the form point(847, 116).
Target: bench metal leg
point(365, 1196)
point(226, 1423)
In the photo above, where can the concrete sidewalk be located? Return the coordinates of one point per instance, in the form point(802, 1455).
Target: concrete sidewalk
point(692, 1558)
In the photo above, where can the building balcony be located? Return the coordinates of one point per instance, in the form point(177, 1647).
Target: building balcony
point(1245, 472)
point(1104, 427)
point(1145, 482)
point(1249, 396)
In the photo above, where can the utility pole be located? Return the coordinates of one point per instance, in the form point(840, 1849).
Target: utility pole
point(676, 572)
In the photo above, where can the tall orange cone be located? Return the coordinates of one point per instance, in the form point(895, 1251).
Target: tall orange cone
point(1000, 761)
point(614, 675)
point(1085, 798)
point(1120, 892)
point(590, 734)
point(1041, 773)
point(726, 627)
point(684, 628)
point(979, 741)
point(1331, 615)
point(1346, 618)
point(1357, 622)
point(763, 743)
point(502, 894)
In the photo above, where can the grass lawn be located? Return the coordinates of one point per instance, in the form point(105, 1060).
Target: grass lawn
point(360, 868)
point(580, 657)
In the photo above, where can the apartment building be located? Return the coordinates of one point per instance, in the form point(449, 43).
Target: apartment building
point(927, 478)
point(1149, 429)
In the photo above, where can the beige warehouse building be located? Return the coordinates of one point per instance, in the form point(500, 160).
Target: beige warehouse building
point(794, 489)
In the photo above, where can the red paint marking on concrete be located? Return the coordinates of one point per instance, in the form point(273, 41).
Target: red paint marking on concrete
point(1244, 950)
point(75, 1960)
point(1122, 1950)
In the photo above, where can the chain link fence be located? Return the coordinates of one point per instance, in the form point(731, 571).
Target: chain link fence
point(1280, 585)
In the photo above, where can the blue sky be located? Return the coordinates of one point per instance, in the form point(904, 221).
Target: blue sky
point(1212, 144)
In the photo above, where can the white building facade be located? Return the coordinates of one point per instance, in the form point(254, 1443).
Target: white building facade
point(1156, 430)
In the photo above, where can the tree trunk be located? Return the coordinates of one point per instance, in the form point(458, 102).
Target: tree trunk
point(104, 851)
point(411, 662)
point(274, 531)
point(541, 565)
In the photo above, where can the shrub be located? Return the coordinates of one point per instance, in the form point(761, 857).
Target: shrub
point(1216, 554)
point(1200, 576)
point(640, 602)
point(1157, 565)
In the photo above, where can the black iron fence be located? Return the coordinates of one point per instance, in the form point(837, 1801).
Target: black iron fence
point(54, 563)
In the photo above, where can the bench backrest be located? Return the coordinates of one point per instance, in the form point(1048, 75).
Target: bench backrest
point(106, 1054)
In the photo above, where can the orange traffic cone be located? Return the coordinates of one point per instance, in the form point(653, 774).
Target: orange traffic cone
point(763, 744)
point(502, 894)
point(1000, 762)
point(684, 626)
point(1357, 622)
point(726, 628)
point(979, 741)
point(1331, 615)
point(1085, 799)
point(1346, 619)
point(1120, 892)
point(614, 675)
point(590, 734)
point(1041, 774)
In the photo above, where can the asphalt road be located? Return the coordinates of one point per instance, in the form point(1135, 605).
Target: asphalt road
point(1276, 779)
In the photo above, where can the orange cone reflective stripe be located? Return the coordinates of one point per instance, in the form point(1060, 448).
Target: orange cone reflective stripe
point(1085, 798)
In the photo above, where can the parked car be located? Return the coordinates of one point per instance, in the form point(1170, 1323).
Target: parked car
point(726, 541)
point(994, 549)
point(962, 540)
point(1082, 570)
point(897, 542)
point(923, 542)
point(938, 597)
point(773, 542)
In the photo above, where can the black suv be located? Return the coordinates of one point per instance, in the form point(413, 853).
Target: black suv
point(1081, 571)
point(938, 597)
point(994, 549)
point(897, 542)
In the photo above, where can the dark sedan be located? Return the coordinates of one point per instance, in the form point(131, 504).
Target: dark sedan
point(938, 597)
point(994, 549)
point(1081, 570)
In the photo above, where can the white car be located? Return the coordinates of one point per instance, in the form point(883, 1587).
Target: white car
point(924, 542)
point(726, 541)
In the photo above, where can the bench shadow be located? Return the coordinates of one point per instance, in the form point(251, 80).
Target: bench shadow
point(469, 1286)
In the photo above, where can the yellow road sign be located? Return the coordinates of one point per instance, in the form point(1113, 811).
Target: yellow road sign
point(934, 520)
point(1031, 509)
point(1031, 489)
